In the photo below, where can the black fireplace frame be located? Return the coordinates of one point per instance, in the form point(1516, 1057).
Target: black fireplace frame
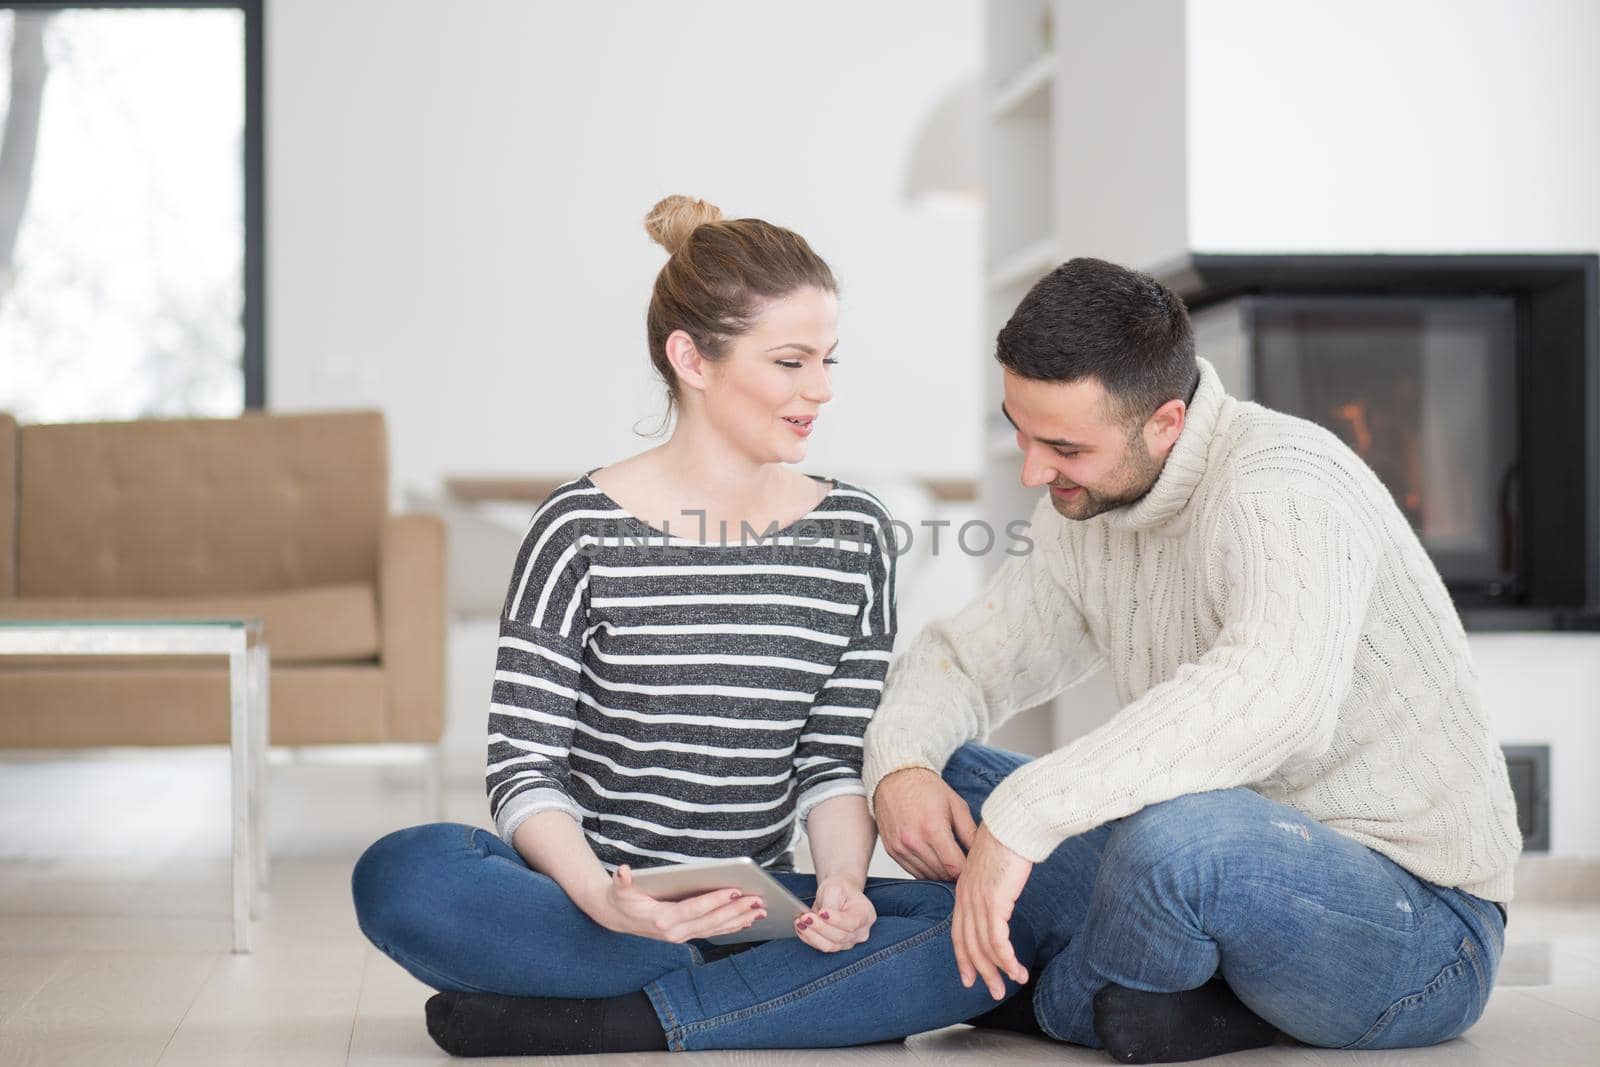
point(1558, 395)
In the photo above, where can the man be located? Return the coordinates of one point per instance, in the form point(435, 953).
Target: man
point(1299, 821)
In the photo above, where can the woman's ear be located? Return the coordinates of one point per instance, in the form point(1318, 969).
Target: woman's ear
point(687, 362)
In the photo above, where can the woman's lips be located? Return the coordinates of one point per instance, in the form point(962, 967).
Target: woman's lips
point(800, 424)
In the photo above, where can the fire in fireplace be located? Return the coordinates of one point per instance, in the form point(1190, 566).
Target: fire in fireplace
point(1471, 386)
point(1423, 389)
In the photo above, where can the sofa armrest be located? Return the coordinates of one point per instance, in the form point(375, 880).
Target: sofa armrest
point(412, 626)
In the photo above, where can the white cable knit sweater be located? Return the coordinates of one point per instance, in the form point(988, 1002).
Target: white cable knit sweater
point(1271, 621)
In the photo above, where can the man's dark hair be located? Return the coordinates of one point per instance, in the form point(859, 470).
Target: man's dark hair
point(1093, 319)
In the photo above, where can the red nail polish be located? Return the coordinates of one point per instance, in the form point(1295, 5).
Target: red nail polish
point(756, 904)
point(736, 895)
point(824, 915)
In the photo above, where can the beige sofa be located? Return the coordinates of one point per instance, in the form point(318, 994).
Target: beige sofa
point(282, 517)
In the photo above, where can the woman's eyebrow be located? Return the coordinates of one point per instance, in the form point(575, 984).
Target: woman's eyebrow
point(807, 349)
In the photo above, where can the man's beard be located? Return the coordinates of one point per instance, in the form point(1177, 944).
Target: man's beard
point(1132, 479)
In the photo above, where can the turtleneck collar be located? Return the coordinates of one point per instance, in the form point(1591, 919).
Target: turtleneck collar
point(1185, 464)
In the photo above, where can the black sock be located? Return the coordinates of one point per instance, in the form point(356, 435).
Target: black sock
point(487, 1024)
point(1015, 1014)
point(1139, 1027)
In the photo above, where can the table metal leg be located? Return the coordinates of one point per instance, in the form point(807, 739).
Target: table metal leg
point(260, 738)
point(239, 748)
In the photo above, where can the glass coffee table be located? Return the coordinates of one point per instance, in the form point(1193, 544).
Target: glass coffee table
point(249, 712)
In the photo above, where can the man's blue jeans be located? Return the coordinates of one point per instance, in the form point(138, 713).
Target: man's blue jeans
point(1324, 938)
point(460, 910)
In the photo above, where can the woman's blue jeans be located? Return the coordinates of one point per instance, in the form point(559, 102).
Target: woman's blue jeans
point(1319, 935)
point(460, 910)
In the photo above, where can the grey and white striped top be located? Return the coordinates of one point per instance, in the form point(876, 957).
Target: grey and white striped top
point(686, 697)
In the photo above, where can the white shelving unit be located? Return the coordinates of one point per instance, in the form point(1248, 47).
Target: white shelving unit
point(1021, 241)
point(1084, 147)
point(1025, 93)
point(1021, 246)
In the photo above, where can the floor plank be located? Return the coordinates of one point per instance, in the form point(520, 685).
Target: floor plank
point(23, 975)
point(1580, 1000)
point(277, 1005)
point(1519, 1028)
point(388, 1027)
point(105, 1008)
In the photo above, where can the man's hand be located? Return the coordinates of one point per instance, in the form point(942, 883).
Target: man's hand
point(921, 820)
point(985, 894)
point(841, 917)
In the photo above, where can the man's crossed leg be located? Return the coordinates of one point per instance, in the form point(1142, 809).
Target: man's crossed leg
point(1325, 939)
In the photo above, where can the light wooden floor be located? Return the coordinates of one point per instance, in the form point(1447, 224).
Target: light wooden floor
point(114, 927)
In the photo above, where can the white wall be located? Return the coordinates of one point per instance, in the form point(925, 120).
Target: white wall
point(1394, 126)
point(455, 193)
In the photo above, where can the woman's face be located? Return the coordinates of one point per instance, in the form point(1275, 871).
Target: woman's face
point(765, 394)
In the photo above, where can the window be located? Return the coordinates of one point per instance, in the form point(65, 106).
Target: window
point(130, 210)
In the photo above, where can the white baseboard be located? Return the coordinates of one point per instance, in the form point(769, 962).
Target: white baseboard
point(1558, 880)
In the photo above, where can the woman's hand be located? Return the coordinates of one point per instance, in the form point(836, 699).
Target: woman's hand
point(841, 917)
point(627, 909)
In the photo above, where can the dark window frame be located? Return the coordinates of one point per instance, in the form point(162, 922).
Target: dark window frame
point(254, 316)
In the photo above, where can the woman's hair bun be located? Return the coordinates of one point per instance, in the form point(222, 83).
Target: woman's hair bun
point(674, 218)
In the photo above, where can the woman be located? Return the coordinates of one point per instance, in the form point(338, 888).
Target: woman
point(692, 644)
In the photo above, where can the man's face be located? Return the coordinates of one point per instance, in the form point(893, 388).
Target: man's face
point(1073, 441)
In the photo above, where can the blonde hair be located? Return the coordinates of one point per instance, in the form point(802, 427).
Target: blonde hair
point(718, 276)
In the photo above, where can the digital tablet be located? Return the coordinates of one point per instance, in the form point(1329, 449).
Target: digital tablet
point(680, 881)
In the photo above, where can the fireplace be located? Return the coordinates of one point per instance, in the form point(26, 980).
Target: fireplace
point(1471, 386)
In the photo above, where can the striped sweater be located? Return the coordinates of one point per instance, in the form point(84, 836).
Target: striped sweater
point(688, 697)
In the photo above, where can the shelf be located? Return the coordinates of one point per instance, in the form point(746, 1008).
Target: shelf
point(1026, 266)
point(1025, 94)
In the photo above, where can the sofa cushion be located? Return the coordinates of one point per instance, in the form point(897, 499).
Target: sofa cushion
point(316, 704)
point(200, 507)
point(330, 624)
